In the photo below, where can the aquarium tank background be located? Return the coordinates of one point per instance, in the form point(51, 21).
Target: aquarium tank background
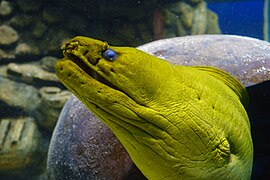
point(32, 32)
point(244, 18)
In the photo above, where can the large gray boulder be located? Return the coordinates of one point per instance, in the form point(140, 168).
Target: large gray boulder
point(246, 58)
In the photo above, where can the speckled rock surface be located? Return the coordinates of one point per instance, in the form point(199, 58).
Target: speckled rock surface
point(19, 144)
point(246, 58)
point(84, 148)
point(52, 102)
point(8, 35)
point(5, 8)
point(25, 50)
point(25, 97)
point(31, 74)
point(13, 100)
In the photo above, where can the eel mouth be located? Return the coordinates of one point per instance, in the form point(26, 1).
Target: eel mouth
point(69, 53)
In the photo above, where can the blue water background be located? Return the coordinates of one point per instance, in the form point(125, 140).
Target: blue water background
point(240, 18)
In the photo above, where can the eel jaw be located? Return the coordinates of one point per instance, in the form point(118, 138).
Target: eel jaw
point(74, 52)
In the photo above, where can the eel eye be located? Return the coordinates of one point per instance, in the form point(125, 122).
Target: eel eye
point(110, 55)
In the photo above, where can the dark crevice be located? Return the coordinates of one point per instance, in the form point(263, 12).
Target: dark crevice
point(6, 134)
point(10, 111)
point(112, 70)
point(232, 147)
point(23, 129)
point(85, 52)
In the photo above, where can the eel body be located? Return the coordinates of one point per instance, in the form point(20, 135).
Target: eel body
point(174, 121)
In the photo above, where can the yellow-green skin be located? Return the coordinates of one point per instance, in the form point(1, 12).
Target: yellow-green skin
point(176, 122)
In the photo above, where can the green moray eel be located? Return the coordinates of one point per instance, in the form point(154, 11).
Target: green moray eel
point(176, 122)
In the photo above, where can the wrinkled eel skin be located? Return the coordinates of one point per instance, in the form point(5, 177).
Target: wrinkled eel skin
point(176, 122)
